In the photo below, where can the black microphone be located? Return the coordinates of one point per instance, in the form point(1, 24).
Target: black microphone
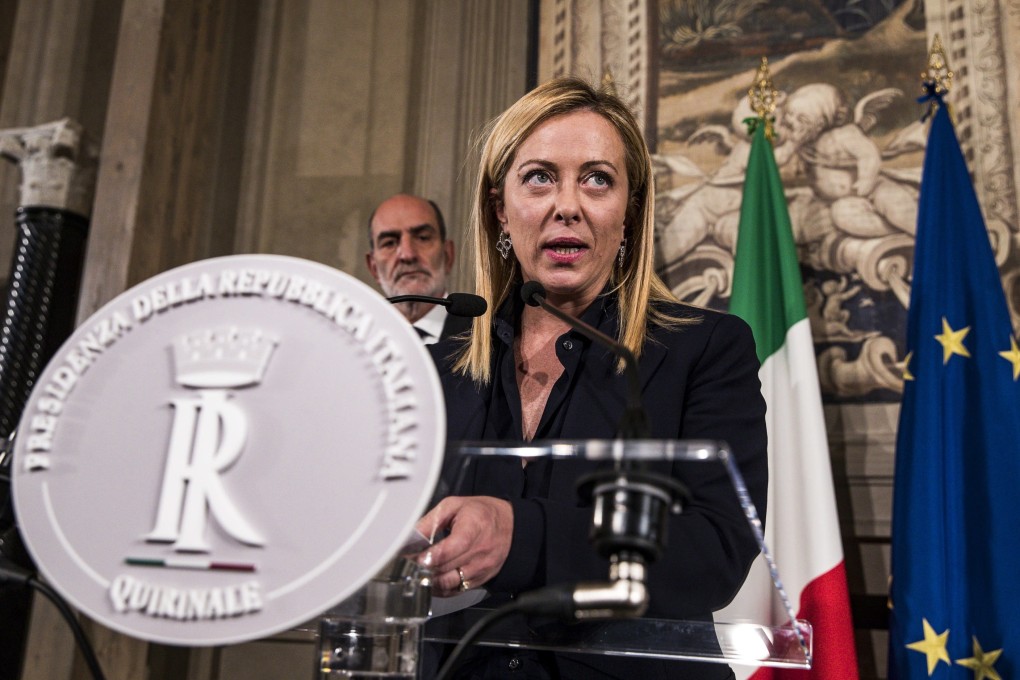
point(457, 304)
point(634, 424)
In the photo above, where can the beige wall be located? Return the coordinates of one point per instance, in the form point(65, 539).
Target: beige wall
point(259, 127)
point(240, 126)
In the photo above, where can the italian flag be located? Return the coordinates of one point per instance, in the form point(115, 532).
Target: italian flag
point(801, 526)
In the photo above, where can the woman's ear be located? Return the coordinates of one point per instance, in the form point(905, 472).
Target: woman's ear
point(496, 201)
point(635, 202)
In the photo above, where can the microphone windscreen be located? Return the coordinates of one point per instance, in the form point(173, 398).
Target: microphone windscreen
point(466, 304)
point(530, 289)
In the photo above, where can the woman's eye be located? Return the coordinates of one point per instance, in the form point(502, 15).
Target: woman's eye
point(537, 177)
point(600, 179)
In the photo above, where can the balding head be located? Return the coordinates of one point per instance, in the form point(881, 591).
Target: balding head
point(409, 252)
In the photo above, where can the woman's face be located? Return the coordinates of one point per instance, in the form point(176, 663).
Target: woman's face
point(564, 202)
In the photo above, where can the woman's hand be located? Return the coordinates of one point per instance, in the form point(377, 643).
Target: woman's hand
point(481, 529)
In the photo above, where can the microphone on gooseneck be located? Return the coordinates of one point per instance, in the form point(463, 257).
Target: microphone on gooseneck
point(466, 304)
point(634, 424)
point(457, 304)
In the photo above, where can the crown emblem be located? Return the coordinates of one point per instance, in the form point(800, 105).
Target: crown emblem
point(222, 357)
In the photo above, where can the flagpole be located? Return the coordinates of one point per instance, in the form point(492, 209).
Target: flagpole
point(955, 551)
point(802, 522)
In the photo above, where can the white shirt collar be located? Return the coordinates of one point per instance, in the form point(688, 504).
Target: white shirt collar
point(432, 323)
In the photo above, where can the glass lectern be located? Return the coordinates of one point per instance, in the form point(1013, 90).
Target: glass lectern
point(629, 506)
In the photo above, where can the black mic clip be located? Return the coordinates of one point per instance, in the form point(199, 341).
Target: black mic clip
point(630, 513)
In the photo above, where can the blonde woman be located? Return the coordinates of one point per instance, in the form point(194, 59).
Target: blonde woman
point(565, 198)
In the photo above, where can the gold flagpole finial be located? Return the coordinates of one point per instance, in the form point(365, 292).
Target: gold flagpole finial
point(936, 80)
point(762, 96)
point(937, 74)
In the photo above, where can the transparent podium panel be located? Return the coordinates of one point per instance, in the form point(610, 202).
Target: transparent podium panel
point(626, 494)
point(378, 632)
point(732, 643)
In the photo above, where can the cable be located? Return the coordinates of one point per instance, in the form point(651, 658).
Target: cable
point(14, 574)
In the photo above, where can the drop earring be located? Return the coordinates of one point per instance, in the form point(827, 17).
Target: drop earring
point(504, 244)
point(623, 252)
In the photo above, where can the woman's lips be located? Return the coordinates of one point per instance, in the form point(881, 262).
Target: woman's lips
point(565, 253)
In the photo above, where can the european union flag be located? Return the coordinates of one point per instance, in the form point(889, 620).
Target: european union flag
point(955, 591)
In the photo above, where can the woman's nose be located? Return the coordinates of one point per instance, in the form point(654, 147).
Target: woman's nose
point(568, 209)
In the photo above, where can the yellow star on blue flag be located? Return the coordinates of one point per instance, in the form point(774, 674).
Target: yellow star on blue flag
point(952, 341)
point(933, 646)
point(907, 375)
point(982, 663)
point(1013, 357)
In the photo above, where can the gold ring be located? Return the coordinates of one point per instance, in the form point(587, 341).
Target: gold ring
point(464, 583)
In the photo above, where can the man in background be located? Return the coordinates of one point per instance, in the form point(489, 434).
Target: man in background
point(409, 254)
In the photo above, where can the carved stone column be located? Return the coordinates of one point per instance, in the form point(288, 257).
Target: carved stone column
point(978, 39)
point(57, 177)
point(594, 39)
point(58, 173)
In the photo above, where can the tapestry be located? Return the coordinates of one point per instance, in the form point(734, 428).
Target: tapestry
point(849, 144)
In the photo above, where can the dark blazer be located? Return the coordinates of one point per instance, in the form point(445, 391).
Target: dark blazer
point(454, 325)
point(698, 382)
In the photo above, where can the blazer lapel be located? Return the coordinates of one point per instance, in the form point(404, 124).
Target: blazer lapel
point(650, 361)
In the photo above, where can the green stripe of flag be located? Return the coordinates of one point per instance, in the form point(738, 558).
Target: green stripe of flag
point(767, 291)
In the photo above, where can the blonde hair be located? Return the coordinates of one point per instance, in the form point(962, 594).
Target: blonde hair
point(635, 284)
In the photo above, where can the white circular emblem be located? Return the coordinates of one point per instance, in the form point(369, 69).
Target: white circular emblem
point(228, 449)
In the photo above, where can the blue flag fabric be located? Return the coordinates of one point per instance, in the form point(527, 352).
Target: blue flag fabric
point(955, 590)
